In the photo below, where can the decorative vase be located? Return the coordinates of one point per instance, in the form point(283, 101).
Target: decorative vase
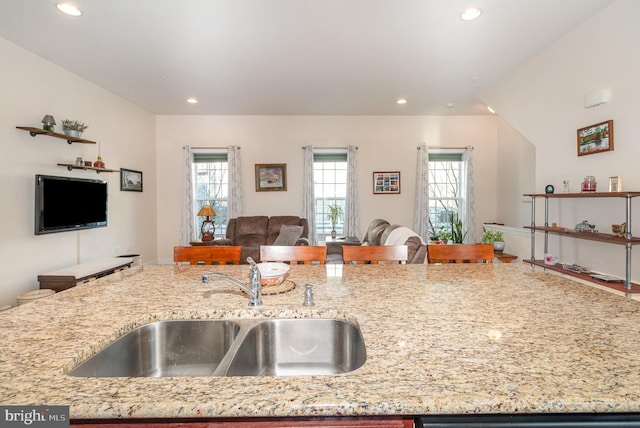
point(98, 163)
point(498, 246)
point(333, 234)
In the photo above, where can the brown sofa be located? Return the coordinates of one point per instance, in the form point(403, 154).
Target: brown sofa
point(379, 232)
point(252, 232)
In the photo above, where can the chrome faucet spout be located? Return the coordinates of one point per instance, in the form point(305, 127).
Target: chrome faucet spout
point(254, 289)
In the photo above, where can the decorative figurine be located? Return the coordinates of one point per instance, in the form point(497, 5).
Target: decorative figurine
point(586, 227)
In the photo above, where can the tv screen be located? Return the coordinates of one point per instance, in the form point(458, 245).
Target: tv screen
point(65, 203)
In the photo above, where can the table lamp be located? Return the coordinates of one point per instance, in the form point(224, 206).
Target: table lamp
point(48, 122)
point(208, 229)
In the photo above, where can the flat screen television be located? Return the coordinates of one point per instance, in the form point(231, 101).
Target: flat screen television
point(67, 203)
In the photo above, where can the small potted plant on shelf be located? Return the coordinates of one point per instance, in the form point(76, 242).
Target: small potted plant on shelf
point(493, 237)
point(335, 213)
point(73, 128)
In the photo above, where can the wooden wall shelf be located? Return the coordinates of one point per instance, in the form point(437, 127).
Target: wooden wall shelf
point(619, 286)
point(590, 236)
point(71, 167)
point(39, 131)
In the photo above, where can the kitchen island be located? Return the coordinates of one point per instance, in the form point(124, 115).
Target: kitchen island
point(454, 339)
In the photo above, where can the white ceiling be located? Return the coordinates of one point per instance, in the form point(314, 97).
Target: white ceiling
point(334, 57)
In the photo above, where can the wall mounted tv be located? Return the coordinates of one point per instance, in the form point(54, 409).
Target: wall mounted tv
point(66, 203)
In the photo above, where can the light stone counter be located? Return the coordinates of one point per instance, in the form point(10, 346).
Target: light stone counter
point(495, 338)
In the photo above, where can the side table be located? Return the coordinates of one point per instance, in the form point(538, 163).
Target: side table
point(504, 257)
point(334, 247)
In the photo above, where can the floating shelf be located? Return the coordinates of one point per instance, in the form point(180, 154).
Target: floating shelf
point(71, 167)
point(39, 131)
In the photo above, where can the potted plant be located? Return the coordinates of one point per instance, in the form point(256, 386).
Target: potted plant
point(493, 237)
point(445, 235)
point(457, 235)
point(73, 128)
point(335, 213)
point(434, 236)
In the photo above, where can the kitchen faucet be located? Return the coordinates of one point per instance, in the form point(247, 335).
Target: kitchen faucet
point(254, 290)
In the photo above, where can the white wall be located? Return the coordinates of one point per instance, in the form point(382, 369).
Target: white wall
point(386, 143)
point(32, 87)
point(543, 100)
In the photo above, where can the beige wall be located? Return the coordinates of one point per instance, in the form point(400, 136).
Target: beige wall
point(386, 143)
point(32, 87)
point(543, 100)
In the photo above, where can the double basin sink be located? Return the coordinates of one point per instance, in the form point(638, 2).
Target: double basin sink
point(236, 347)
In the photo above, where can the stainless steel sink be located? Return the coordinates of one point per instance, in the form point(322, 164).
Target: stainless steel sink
point(164, 348)
point(296, 347)
point(239, 347)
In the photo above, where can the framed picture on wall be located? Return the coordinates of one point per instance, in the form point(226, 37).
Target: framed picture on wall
point(271, 177)
point(387, 182)
point(130, 180)
point(595, 138)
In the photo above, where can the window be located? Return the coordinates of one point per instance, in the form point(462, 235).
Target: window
point(210, 187)
point(330, 187)
point(446, 175)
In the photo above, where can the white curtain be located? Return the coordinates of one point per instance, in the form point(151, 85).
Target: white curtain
point(308, 196)
point(234, 197)
point(186, 229)
point(351, 214)
point(421, 211)
point(468, 211)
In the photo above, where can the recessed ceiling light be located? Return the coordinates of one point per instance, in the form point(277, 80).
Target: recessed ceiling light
point(492, 111)
point(470, 14)
point(450, 105)
point(69, 9)
point(401, 101)
point(192, 100)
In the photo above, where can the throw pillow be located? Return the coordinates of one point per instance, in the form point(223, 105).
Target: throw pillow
point(288, 235)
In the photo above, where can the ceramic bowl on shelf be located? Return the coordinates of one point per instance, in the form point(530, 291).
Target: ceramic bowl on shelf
point(273, 273)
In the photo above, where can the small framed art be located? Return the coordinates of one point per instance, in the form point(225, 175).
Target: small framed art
point(130, 180)
point(615, 184)
point(595, 138)
point(386, 182)
point(271, 177)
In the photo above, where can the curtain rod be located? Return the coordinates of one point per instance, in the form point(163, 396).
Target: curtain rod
point(446, 147)
point(212, 148)
point(328, 148)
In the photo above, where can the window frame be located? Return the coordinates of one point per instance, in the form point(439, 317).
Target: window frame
point(329, 157)
point(450, 200)
point(219, 203)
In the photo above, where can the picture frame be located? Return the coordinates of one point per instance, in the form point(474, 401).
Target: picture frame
point(130, 180)
point(615, 184)
point(596, 138)
point(386, 182)
point(271, 177)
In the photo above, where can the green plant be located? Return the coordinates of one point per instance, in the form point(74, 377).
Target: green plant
point(433, 234)
point(335, 213)
point(444, 234)
point(491, 236)
point(457, 234)
point(73, 125)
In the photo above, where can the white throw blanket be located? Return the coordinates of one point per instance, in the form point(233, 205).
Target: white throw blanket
point(399, 236)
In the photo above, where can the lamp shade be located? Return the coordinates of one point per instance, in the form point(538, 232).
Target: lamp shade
point(206, 210)
point(49, 120)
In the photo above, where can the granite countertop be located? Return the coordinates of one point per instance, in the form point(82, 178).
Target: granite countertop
point(497, 338)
